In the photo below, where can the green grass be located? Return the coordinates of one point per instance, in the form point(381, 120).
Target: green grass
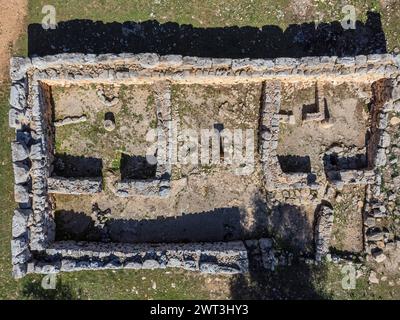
point(116, 162)
point(207, 13)
point(216, 13)
point(7, 285)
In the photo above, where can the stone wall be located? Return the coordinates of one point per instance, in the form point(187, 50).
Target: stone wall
point(323, 231)
point(379, 240)
point(109, 67)
point(150, 188)
point(219, 257)
point(74, 185)
point(160, 185)
point(274, 177)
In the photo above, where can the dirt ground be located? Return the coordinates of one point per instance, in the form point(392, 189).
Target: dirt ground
point(347, 233)
point(11, 25)
point(301, 8)
point(134, 113)
point(347, 106)
point(228, 206)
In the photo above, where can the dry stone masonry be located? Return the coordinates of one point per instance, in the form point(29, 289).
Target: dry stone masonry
point(34, 249)
point(323, 232)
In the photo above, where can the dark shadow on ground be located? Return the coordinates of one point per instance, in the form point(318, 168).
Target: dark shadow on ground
point(289, 225)
point(334, 162)
point(309, 108)
point(77, 166)
point(298, 281)
point(221, 224)
point(136, 167)
point(298, 40)
point(291, 164)
point(292, 233)
point(73, 225)
point(35, 291)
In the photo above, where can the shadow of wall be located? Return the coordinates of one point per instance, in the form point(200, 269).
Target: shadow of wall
point(298, 40)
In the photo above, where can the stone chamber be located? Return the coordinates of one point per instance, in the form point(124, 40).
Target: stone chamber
point(89, 198)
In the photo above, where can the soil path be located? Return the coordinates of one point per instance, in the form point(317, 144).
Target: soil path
point(12, 21)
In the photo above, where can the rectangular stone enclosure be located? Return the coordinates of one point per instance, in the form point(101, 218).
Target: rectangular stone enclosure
point(88, 198)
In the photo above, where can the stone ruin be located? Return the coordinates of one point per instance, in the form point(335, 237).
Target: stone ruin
point(34, 248)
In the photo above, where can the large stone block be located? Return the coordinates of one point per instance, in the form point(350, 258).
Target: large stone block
point(16, 118)
point(21, 172)
point(323, 230)
point(18, 67)
point(20, 222)
point(18, 96)
point(19, 151)
point(74, 185)
point(36, 152)
point(21, 193)
point(19, 250)
point(19, 270)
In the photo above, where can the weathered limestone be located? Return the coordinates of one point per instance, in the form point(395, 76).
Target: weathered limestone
point(349, 177)
point(36, 152)
point(109, 125)
point(18, 68)
point(20, 222)
point(287, 118)
point(17, 118)
point(74, 185)
point(220, 257)
point(19, 151)
point(376, 238)
point(375, 234)
point(70, 120)
point(394, 121)
point(18, 96)
point(323, 230)
point(108, 102)
point(21, 193)
point(152, 64)
point(270, 131)
point(20, 251)
point(267, 255)
point(21, 172)
point(316, 116)
point(154, 187)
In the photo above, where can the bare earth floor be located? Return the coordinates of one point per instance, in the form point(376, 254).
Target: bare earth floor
point(227, 206)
